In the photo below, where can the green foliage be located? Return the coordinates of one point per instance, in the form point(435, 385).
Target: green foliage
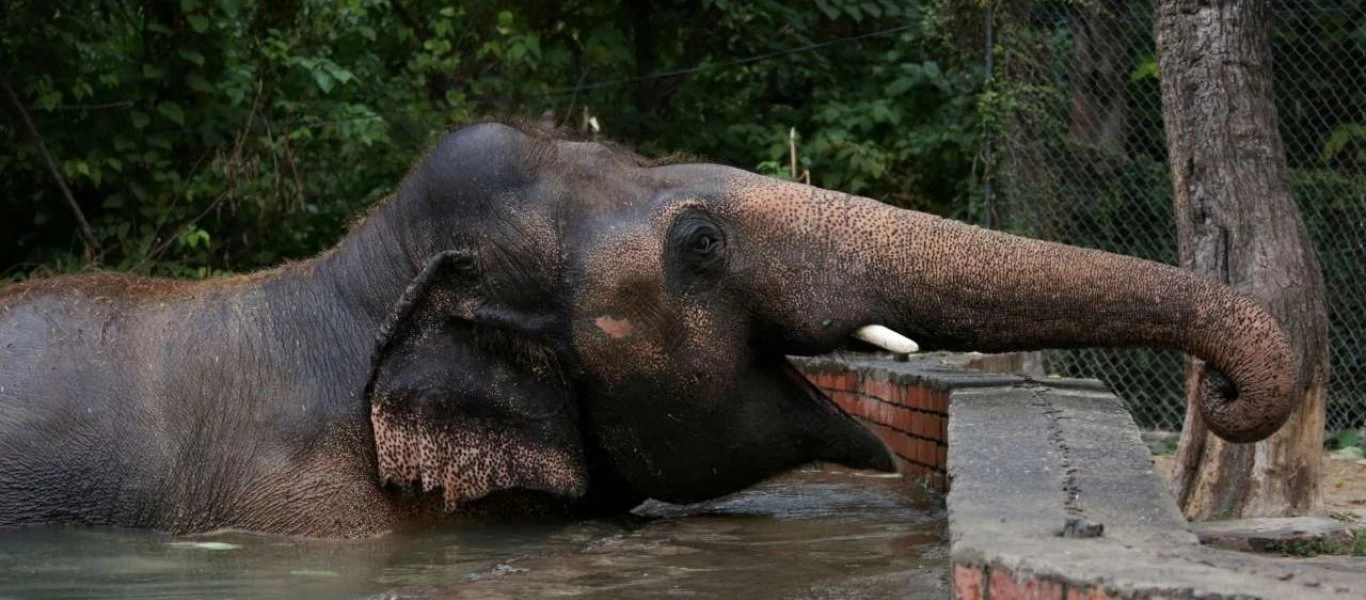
point(209, 136)
point(1346, 438)
point(1162, 448)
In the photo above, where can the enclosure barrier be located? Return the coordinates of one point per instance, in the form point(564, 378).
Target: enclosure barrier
point(1051, 493)
point(1080, 157)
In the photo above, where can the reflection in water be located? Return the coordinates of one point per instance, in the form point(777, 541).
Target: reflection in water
point(811, 534)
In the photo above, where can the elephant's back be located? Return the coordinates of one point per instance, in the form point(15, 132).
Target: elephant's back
point(68, 382)
point(62, 330)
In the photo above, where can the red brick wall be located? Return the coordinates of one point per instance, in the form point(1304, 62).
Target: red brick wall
point(979, 583)
point(909, 415)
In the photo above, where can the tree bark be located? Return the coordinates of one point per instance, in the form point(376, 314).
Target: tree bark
point(1100, 73)
point(1238, 223)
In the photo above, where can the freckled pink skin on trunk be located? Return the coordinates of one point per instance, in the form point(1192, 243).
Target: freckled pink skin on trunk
point(812, 255)
point(614, 327)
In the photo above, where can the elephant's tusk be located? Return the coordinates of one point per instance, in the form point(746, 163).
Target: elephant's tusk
point(886, 339)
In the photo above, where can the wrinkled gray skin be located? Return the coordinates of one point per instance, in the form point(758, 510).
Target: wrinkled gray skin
point(536, 325)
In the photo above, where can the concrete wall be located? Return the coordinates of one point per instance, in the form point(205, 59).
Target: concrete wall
point(1054, 495)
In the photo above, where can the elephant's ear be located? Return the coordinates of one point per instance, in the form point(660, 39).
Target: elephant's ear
point(466, 396)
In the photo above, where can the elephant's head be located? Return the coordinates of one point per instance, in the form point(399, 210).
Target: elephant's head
point(587, 316)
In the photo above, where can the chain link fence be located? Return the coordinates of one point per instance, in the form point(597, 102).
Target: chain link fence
point(1078, 156)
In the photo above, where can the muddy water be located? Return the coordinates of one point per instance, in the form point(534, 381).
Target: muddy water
point(811, 534)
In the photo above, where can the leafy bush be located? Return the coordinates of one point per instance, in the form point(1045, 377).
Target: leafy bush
point(202, 137)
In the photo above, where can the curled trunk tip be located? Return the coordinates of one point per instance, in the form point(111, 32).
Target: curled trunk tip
point(1249, 398)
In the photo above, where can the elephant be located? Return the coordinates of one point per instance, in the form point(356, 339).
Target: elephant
point(537, 325)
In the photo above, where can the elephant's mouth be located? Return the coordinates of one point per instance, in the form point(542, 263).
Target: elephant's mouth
point(812, 393)
point(862, 450)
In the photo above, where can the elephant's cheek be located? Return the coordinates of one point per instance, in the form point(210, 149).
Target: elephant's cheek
point(613, 348)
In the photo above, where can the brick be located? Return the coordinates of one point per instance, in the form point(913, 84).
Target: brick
point(899, 395)
point(967, 583)
point(941, 456)
point(860, 406)
point(919, 398)
point(940, 402)
point(853, 381)
point(857, 382)
point(846, 402)
point(871, 408)
point(922, 425)
point(1043, 589)
point(1092, 593)
point(923, 452)
point(832, 381)
point(906, 446)
point(904, 419)
point(1001, 586)
point(883, 390)
point(894, 441)
point(910, 468)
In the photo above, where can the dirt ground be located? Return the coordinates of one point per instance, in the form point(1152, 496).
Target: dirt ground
point(1343, 484)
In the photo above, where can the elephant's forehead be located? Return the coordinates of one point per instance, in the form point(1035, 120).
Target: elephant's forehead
point(618, 253)
point(764, 196)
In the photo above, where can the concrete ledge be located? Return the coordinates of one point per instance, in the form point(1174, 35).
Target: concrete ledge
point(1281, 534)
point(1052, 494)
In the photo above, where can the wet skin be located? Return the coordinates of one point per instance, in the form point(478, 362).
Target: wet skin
point(539, 325)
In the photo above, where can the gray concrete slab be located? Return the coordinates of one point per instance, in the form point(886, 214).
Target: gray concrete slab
point(1026, 458)
point(1279, 535)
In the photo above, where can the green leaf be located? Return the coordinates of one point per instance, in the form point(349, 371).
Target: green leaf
point(200, 23)
point(140, 119)
point(448, 12)
point(323, 80)
point(50, 100)
point(191, 55)
point(199, 84)
point(831, 12)
point(341, 75)
point(152, 72)
point(1145, 69)
point(1340, 138)
point(172, 111)
point(1346, 438)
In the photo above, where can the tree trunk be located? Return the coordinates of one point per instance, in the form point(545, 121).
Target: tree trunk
point(1100, 72)
point(1238, 223)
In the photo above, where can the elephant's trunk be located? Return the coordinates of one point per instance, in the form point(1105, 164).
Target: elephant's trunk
point(952, 286)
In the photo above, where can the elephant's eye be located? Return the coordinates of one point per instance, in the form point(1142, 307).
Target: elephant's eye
point(704, 242)
point(700, 245)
